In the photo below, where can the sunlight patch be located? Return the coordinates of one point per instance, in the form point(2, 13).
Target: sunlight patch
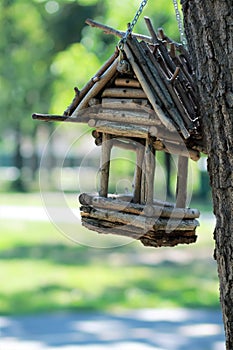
point(198, 330)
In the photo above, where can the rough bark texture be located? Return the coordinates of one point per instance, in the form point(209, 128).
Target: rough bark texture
point(208, 26)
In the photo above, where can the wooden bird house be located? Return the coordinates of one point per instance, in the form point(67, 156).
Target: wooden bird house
point(142, 99)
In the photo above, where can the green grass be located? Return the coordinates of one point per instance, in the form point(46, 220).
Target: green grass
point(38, 199)
point(42, 270)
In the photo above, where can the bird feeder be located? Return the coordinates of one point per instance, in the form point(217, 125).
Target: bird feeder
point(142, 99)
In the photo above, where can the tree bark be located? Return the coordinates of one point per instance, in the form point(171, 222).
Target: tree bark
point(208, 26)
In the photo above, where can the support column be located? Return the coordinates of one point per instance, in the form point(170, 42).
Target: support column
point(149, 171)
point(182, 179)
point(138, 174)
point(105, 164)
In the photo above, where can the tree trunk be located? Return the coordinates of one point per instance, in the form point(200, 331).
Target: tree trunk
point(208, 26)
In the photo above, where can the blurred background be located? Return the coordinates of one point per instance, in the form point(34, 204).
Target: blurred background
point(48, 261)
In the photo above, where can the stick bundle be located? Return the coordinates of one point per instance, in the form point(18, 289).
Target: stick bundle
point(154, 225)
point(159, 82)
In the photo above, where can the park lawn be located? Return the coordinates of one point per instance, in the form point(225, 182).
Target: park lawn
point(38, 199)
point(41, 270)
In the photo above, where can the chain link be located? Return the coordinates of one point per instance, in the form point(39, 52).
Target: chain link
point(138, 14)
point(132, 24)
point(180, 23)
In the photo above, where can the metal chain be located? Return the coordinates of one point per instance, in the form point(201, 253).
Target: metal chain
point(132, 24)
point(180, 23)
point(138, 14)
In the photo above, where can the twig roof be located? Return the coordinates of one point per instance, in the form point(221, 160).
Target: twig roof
point(165, 74)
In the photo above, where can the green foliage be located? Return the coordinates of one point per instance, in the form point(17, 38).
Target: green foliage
point(75, 59)
point(39, 66)
point(60, 276)
point(25, 51)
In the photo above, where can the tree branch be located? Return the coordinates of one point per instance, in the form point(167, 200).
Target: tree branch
point(112, 31)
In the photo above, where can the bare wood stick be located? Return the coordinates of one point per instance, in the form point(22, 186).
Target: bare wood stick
point(79, 96)
point(179, 47)
point(182, 178)
point(143, 182)
point(175, 75)
point(86, 199)
point(180, 106)
point(104, 227)
point(140, 113)
point(176, 149)
point(158, 42)
point(161, 90)
point(178, 62)
point(163, 134)
point(138, 175)
point(170, 64)
point(187, 69)
point(108, 74)
point(148, 90)
point(139, 209)
point(171, 212)
point(56, 118)
point(185, 78)
point(124, 93)
point(93, 102)
point(121, 116)
point(141, 55)
point(167, 241)
point(108, 30)
point(117, 142)
point(126, 103)
point(165, 97)
point(122, 130)
point(125, 82)
point(150, 170)
point(139, 221)
point(151, 238)
point(115, 217)
point(49, 117)
point(141, 51)
point(117, 205)
point(105, 164)
point(186, 98)
point(129, 198)
point(92, 123)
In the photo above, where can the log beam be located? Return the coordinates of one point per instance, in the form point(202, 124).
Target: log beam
point(154, 210)
point(182, 179)
point(138, 175)
point(105, 164)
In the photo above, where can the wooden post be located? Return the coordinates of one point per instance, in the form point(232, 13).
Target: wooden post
point(138, 175)
point(105, 164)
point(143, 180)
point(182, 179)
point(150, 170)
